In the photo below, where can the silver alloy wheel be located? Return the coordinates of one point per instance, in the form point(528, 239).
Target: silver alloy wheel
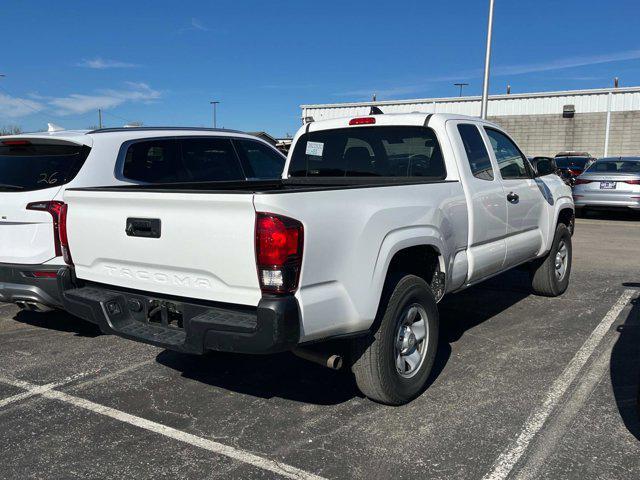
point(562, 260)
point(412, 338)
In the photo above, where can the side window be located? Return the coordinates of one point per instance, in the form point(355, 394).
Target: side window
point(477, 154)
point(263, 161)
point(511, 162)
point(210, 160)
point(153, 161)
point(182, 160)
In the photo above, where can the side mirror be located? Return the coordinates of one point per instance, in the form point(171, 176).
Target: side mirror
point(544, 166)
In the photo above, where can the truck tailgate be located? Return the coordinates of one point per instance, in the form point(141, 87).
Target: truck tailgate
point(204, 248)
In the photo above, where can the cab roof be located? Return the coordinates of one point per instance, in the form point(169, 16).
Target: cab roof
point(390, 119)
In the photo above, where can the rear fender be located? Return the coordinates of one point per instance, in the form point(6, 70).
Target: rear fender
point(400, 239)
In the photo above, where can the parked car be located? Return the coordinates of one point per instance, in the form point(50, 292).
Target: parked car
point(572, 164)
point(375, 220)
point(36, 169)
point(609, 182)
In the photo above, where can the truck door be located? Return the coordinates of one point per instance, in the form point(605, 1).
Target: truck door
point(524, 199)
point(486, 201)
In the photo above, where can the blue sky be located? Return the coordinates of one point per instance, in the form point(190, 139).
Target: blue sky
point(160, 62)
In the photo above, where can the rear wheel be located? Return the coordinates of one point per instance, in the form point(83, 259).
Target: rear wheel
point(550, 275)
point(392, 364)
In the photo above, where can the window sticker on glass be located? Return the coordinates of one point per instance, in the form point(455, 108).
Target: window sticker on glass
point(315, 148)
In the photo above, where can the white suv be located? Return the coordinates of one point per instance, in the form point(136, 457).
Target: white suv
point(36, 169)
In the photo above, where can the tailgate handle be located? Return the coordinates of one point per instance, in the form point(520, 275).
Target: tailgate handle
point(143, 227)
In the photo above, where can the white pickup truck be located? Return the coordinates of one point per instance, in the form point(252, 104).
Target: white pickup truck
point(375, 219)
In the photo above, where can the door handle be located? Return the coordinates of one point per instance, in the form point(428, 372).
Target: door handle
point(143, 227)
point(513, 197)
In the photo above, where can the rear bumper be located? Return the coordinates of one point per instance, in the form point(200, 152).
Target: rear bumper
point(273, 326)
point(631, 200)
point(17, 285)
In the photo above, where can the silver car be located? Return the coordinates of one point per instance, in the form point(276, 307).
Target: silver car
point(609, 182)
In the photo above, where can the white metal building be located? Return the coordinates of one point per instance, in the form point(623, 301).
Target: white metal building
point(600, 121)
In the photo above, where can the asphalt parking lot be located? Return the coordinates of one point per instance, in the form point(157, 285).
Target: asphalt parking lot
point(524, 387)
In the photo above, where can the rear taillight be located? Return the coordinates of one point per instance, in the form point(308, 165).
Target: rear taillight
point(39, 274)
point(64, 239)
point(632, 182)
point(279, 242)
point(581, 181)
point(54, 208)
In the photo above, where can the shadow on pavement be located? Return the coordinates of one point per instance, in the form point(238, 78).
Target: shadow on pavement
point(58, 320)
point(612, 214)
point(287, 376)
point(625, 370)
point(462, 311)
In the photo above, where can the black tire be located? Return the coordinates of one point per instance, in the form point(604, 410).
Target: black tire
point(374, 356)
point(544, 280)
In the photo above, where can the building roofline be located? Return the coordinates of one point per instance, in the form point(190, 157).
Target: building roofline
point(561, 93)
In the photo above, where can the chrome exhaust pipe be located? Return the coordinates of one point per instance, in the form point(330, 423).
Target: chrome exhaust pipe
point(329, 360)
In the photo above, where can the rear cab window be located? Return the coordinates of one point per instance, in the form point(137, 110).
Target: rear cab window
point(27, 166)
point(381, 151)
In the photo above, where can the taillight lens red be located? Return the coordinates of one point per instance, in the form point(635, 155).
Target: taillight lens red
point(54, 208)
point(581, 181)
point(64, 239)
point(45, 274)
point(279, 242)
point(362, 121)
point(632, 182)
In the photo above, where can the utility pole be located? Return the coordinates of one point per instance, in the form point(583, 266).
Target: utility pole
point(487, 62)
point(99, 118)
point(461, 85)
point(215, 104)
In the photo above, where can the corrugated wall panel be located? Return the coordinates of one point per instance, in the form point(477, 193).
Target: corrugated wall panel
point(585, 101)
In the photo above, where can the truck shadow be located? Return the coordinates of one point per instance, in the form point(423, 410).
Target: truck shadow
point(625, 370)
point(58, 320)
point(287, 376)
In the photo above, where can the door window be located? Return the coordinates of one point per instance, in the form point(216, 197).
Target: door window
point(476, 150)
point(511, 162)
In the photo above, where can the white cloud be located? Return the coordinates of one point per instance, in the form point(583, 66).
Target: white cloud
point(198, 25)
point(569, 62)
point(101, 64)
point(16, 107)
point(497, 71)
point(77, 103)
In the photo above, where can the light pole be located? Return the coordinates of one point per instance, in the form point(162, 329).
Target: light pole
point(215, 104)
point(461, 85)
point(487, 62)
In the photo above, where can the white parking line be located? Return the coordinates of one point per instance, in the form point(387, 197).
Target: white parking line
point(508, 458)
point(32, 390)
point(279, 468)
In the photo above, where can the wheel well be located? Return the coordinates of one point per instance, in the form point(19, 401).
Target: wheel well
point(420, 260)
point(568, 217)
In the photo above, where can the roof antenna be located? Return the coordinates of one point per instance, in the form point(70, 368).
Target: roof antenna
point(52, 127)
